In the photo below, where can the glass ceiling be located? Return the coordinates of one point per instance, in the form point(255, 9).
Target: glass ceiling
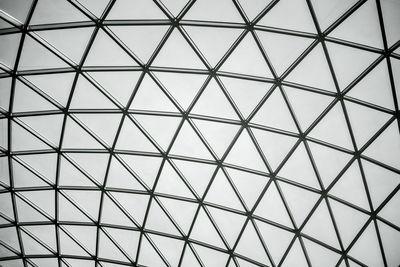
point(199, 133)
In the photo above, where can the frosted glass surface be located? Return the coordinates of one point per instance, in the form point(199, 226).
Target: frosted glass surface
point(199, 133)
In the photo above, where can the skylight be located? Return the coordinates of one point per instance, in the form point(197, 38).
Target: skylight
point(199, 133)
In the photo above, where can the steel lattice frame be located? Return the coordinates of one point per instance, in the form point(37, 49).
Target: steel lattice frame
point(248, 28)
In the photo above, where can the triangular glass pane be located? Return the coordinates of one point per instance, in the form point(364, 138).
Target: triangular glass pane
point(299, 20)
point(204, 231)
point(119, 177)
point(314, 71)
point(157, 220)
point(391, 242)
point(46, 234)
point(29, 214)
point(23, 177)
point(197, 174)
point(209, 10)
point(181, 211)
point(127, 9)
point(25, 99)
point(332, 128)
point(69, 175)
point(247, 59)
point(274, 146)
point(5, 90)
point(170, 183)
point(161, 128)
point(319, 255)
point(361, 27)
point(119, 84)
point(142, 40)
point(389, 211)
point(381, 182)
point(248, 185)
point(8, 49)
point(218, 135)
point(164, 244)
point(10, 237)
point(341, 214)
point(213, 102)
point(211, 257)
point(348, 62)
point(88, 200)
point(48, 126)
point(149, 96)
point(390, 11)
point(108, 250)
point(375, 87)
point(126, 239)
point(131, 138)
point(245, 154)
point(106, 52)
point(24, 140)
point(222, 193)
point(276, 239)
point(70, 246)
point(295, 257)
point(85, 235)
point(148, 255)
point(275, 113)
point(57, 85)
point(104, 125)
point(71, 42)
point(40, 198)
point(18, 10)
point(386, 148)
point(189, 144)
point(282, 49)
point(245, 93)
point(320, 226)
point(56, 11)
point(350, 187)
point(95, 6)
point(45, 164)
point(182, 86)
point(365, 122)
point(229, 223)
point(3, 135)
point(328, 161)
point(86, 95)
point(307, 105)
point(250, 245)
point(328, 12)
point(253, 8)
point(33, 247)
point(298, 168)
point(300, 201)
point(76, 137)
point(94, 164)
point(69, 212)
point(134, 204)
point(175, 6)
point(368, 241)
point(213, 42)
point(177, 53)
point(271, 207)
point(146, 168)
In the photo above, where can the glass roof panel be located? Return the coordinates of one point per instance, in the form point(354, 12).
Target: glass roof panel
point(199, 133)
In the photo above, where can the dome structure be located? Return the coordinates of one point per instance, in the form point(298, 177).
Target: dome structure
point(199, 133)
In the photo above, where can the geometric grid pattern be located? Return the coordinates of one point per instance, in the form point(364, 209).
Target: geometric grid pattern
point(199, 133)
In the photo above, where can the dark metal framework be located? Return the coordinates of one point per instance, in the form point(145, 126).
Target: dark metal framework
point(249, 27)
